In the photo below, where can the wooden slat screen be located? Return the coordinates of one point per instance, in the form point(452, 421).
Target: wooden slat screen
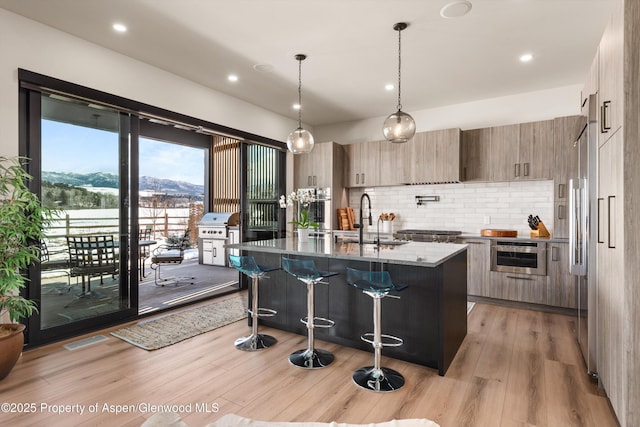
point(262, 187)
point(225, 175)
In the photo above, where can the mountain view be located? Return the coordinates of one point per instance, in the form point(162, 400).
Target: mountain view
point(107, 180)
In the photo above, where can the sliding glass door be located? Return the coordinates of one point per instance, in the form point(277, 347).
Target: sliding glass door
point(83, 277)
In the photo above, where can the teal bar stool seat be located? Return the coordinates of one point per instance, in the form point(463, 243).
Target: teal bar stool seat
point(377, 285)
point(255, 341)
point(306, 271)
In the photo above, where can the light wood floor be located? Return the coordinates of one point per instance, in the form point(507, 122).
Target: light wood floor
point(515, 368)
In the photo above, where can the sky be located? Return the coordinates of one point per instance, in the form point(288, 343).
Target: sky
point(78, 149)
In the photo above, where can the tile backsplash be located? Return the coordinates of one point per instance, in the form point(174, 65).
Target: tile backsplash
point(468, 207)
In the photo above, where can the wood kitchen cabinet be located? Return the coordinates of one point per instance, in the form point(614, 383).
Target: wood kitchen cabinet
point(394, 161)
point(504, 152)
point(565, 167)
point(610, 235)
point(476, 156)
point(561, 285)
point(518, 287)
point(611, 72)
point(363, 164)
point(478, 266)
point(436, 157)
point(315, 169)
point(535, 149)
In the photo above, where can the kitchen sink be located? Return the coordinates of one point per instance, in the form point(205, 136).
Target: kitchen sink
point(372, 242)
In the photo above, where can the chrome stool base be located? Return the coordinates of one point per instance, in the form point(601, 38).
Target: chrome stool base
point(381, 380)
point(314, 359)
point(255, 342)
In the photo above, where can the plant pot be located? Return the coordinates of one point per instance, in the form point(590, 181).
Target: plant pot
point(303, 235)
point(10, 347)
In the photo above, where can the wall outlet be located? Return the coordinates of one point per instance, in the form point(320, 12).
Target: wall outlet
point(487, 219)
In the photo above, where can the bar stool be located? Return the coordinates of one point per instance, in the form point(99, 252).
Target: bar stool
point(255, 341)
point(376, 284)
point(307, 273)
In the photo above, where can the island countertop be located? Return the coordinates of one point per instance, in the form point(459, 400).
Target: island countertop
point(423, 254)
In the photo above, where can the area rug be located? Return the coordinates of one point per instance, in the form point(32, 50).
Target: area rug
point(180, 326)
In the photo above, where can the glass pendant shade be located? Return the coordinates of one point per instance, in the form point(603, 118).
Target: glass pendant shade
point(399, 127)
point(300, 141)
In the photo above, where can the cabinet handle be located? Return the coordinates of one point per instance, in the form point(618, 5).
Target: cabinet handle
point(215, 252)
point(562, 188)
point(315, 180)
point(363, 178)
point(519, 278)
point(600, 219)
point(516, 170)
point(357, 178)
point(474, 243)
point(308, 180)
point(554, 253)
point(604, 122)
point(526, 169)
point(611, 224)
point(561, 212)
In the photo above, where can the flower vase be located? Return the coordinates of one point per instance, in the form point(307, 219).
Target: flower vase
point(303, 235)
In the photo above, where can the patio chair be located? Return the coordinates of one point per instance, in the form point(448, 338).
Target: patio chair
point(170, 253)
point(92, 256)
point(59, 266)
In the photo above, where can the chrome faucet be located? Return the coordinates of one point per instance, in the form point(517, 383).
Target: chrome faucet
point(359, 225)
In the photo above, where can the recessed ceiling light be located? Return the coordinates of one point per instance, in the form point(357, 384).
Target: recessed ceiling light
point(456, 9)
point(388, 87)
point(263, 68)
point(526, 57)
point(121, 28)
point(296, 106)
point(232, 78)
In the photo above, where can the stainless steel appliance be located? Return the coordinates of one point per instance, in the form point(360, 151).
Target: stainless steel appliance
point(213, 234)
point(321, 211)
point(519, 257)
point(444, 236)
point(582, 246)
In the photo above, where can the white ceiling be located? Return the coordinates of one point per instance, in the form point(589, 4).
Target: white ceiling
point(351, 47)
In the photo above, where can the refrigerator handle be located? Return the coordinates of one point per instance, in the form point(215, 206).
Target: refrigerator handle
point(600, 220)
point(572, 228)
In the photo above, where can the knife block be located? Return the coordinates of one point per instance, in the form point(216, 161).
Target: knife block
point(540, 232)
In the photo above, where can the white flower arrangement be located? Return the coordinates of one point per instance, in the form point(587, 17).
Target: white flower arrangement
point(304, 198)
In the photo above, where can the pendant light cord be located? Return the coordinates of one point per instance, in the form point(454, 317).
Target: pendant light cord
point(299, 93)
point(399, 67)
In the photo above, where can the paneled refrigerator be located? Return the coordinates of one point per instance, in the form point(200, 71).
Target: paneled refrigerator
point(582, 241)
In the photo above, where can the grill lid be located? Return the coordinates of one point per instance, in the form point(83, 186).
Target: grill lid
point(219, 219)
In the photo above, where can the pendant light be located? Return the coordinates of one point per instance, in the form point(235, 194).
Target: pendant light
point(399, 127)
point(300, 141)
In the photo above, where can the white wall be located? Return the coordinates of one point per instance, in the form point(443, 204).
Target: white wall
point(464, 206)
point(505, 110)
point(30, 45)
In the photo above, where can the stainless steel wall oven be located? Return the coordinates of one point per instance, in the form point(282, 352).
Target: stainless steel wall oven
point(519, 257)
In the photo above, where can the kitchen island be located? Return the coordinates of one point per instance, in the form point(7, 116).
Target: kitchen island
point(430, 315)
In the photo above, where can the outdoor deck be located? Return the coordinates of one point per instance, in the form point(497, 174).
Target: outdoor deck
point(60, 306)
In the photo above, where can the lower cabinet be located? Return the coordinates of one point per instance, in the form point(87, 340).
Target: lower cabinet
point(478, 265)
point(561, 286)
point(518, 287)
point(556, 289)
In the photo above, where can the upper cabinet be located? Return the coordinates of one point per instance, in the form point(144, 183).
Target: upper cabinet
point(508, 153)
point(363, 164)
point(476, 144)
point(430, 157)
point(321, 168)
point(610, 79)
point(395, 163)
point(535, 150)
point(314, 169)
point(435, 157)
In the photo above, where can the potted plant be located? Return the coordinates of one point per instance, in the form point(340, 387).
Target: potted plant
point(22, 220)
point(303, 198)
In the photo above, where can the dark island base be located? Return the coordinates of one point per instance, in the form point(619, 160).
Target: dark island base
point(430, 316)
